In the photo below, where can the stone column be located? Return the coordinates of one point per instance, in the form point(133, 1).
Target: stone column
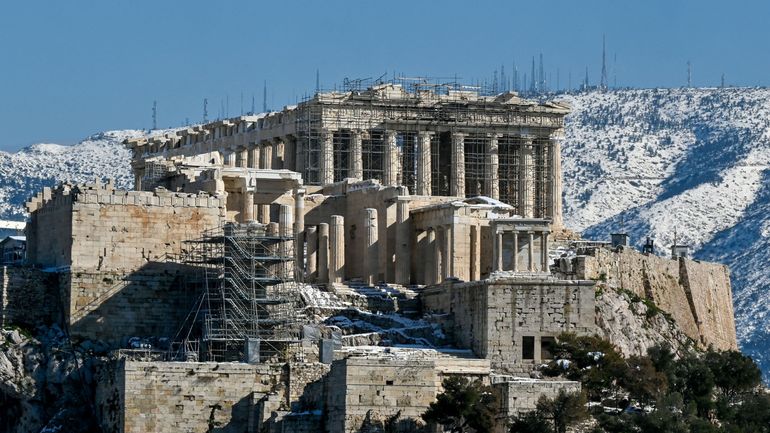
point(531, 251)
point(244, 153)
point(544, 252)
point(286, 227)
point(424, 163)
point(371, 246)
point(457, 187)
point(515, 251)
point(437, 255)
point(230, 159)
point(430, 257)
point(527, 180)
point(493, 162)
point(311, 233)
point(555, 203)
point(266, 155)
point(247, 206)
point(356, 156)
point(137, 182)
point(264, 213)
point(390, 166)
point(299, 232)
point(253, 161)
point(475, 258)
point(337, 249)
point(449, 251)
point(323, 253)
point(289, 152)
point(278, 153)
point(403, 241)
point(326, 164)
point(497, 253)
point(273, 268)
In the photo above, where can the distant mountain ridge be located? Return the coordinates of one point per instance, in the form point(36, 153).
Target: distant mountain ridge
point(665, 163)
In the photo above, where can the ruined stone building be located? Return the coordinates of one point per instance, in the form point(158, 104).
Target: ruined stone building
point(383, 203)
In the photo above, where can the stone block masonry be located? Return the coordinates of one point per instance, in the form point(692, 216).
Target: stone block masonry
point(119, 255)
point(146, 397)
point(28, 297)
point(513, 320)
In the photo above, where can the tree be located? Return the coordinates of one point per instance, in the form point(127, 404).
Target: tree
point(642, 381)
point(595, 362)
point(464, 406)
point(530, 422)
point(733, 372)
point(564, 410)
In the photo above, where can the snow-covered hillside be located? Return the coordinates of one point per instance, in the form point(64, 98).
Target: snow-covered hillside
point(690, 163)
point(27, 171)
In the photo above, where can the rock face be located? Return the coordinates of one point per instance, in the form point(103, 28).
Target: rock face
point(634, 325)
point(43, 385)
point(695, 294)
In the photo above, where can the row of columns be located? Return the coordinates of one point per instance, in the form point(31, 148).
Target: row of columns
point(273, 154)
point(391, 167)
point(439, 264)
point(326, 251)
point(497, 251)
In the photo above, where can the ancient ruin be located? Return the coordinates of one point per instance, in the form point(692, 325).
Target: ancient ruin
point(327, 265)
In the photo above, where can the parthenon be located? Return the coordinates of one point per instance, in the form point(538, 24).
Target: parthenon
point(456, 143)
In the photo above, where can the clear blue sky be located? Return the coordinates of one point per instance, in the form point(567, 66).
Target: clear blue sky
point(72, 68)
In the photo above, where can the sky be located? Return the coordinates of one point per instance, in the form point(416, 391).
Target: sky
point(69, 69)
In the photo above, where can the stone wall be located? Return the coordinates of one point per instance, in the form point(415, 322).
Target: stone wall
point(518, 396)
point(362, 389)
point(492, 317)
point(112, 306)
point(697, 295)
point(145, 397)
point(28, 297)
point(121, 256)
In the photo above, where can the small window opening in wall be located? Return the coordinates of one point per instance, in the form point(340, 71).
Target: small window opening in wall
point(388, 382)
point(547, 345)
point(528, 348)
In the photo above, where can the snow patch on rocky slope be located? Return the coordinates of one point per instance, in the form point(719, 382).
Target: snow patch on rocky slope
point(690, 163)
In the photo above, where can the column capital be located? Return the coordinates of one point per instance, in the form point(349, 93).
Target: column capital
point(459, 134)
point(528, 139)
point(426, 133)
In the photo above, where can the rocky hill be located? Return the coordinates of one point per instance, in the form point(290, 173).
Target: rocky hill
point(689, 164)
point(665, 163)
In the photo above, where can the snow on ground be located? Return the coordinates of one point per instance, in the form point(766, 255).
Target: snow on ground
point(690, 163)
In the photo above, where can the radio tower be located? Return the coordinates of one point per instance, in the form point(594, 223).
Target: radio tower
point(154, 115)
point(603, 82)
point(264, 97)
point(205, 110)
point(689, 74)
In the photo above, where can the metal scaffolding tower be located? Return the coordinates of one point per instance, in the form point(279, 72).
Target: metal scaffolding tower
point(247, 311)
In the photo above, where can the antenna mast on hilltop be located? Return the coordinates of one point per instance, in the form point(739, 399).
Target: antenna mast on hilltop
point(264, 97)
point(689, 74)
point(154, 115)
point(205, 110)
point(603, 82)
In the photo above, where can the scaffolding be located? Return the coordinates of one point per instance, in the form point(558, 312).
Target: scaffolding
point(407, 105)
point(247, 308)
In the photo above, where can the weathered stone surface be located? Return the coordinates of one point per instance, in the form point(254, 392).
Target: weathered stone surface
point(697, 295)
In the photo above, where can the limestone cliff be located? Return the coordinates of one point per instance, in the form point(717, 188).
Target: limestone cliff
point(634, 324)
point(696, 295)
